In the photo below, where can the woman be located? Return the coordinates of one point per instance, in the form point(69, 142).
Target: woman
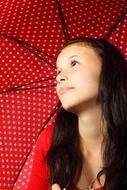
point(87, 148)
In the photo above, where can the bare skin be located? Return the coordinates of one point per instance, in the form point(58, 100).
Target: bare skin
point(56, 187)
point(80, 72)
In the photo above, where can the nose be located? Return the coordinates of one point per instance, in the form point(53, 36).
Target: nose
point(61, 77)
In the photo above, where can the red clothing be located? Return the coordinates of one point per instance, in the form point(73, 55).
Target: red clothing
point(39, 173)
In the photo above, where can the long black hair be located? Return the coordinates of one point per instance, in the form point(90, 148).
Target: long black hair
point(64, 158)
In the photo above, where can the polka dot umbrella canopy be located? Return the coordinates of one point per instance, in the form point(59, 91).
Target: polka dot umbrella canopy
point(31, 34)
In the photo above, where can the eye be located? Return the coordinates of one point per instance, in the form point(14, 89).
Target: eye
point(74, 63)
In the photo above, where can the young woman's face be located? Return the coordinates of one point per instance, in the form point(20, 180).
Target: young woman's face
point(78, 73)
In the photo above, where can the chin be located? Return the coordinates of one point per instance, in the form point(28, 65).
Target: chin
point(70, 108)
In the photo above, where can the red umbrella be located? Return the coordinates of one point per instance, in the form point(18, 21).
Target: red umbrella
point(31, 34)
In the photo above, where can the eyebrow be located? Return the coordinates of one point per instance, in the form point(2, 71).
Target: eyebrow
point(72, 56)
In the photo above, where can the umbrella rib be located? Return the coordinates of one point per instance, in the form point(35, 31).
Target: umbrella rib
point(32, 88)
point(57, 107)
point(18, 41)
point(18, 88)
point(62, 19)
point(27, 46)
point(39, 50)
point(115, 26)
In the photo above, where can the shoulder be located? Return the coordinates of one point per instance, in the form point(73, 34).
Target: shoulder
point(39, 174)
point(34, 174)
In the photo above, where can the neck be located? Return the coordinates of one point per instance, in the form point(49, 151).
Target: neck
point(92, 135)
point(90, 127)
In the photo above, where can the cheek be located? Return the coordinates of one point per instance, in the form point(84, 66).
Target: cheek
point(84, 77)
point(86, 81)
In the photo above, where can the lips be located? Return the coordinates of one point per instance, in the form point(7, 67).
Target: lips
point(64, 89)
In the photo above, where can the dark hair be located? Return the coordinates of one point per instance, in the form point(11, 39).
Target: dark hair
point(64, 158)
